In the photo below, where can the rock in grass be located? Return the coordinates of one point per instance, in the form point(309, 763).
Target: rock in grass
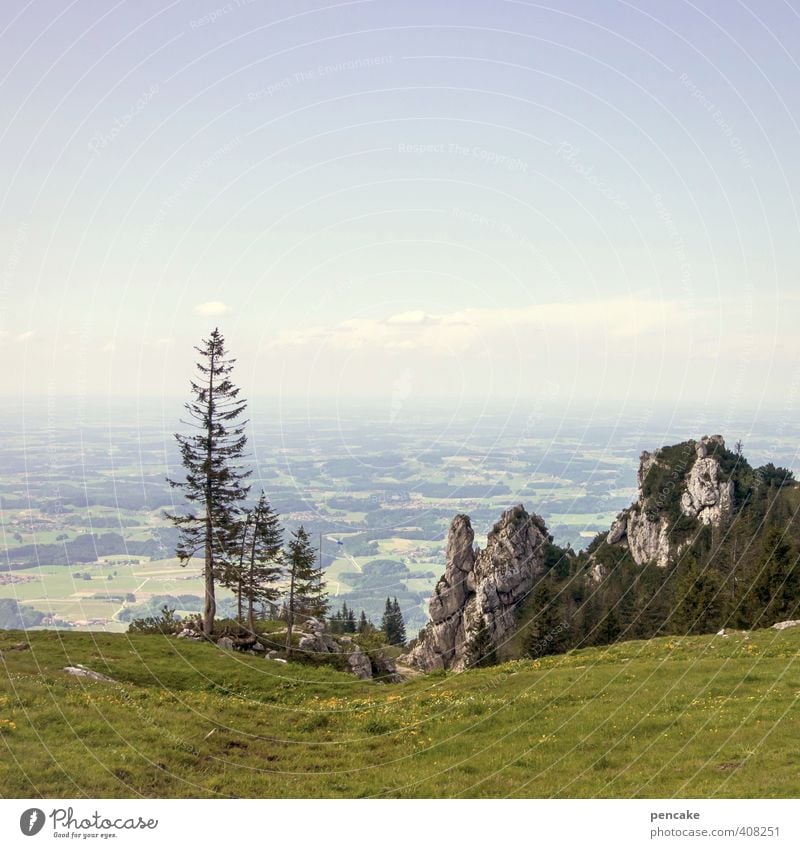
point(360, 664)
point(784, 625)
point(82, 671)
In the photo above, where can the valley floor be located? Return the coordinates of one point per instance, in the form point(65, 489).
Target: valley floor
point(672, 717)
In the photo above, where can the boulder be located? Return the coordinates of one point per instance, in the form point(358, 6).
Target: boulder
point(226, 643)
point(360, 664)
point(82, 671)
point(785, 625)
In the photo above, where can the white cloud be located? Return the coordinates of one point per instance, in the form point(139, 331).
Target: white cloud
point(211, 308)
point(453, 332)
point(415, 317)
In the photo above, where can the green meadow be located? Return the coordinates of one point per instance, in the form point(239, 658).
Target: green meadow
point(670, 717)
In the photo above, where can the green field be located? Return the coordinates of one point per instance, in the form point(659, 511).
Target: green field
point(55, 590)
point(672, 717)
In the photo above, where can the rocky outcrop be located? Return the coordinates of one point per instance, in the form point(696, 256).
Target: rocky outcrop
point(691, 477)
point(707, 497)
point(316, 640)
point(480, 590)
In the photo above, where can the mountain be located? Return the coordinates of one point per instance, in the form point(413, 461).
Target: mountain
point(710, 542)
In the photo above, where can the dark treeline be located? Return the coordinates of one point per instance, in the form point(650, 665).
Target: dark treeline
point(743, 573)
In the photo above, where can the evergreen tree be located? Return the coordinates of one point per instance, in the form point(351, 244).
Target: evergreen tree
point(546, 632)
point(387, 621)
point(307, 596)
point(350, 625)
point(480, 650)
point(774, 588)
point(392, 623)
point(214, 487)
point(233, 578)
point(399, 624)
point(363, 624)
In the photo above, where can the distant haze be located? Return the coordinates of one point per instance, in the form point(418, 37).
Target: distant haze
point(483, 205)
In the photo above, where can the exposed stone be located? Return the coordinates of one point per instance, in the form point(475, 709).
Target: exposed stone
point(311, 643)
point(704, 496)
point(226, 643)
point(190, 634)
point(360, 664)
point(596, 571)
point(480, 589)
point(647, 539)
point(618, 529)
point(386, 670)
point(82, 671)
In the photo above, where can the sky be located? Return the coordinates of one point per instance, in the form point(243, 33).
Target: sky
point(497, 202)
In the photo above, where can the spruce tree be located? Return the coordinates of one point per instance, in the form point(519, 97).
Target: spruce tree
point(264, 561)
point(363, 624)
point(307, 596)
point(213, 487)
point(399, 625)
point(387, 621)
point(480, 650)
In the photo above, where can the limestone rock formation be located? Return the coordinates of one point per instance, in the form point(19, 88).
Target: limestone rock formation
point(480, 589)
point(690, 475)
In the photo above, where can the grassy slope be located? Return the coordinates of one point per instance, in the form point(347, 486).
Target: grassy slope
point(692, 717)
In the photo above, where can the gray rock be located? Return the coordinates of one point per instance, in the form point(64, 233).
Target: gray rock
point(309, 643)
point(480, 589)
point(330, 643)
point(82, 671)
point(271, 655)
point(704, 496)
point(360, 664)
point(226, 643)
point(785, 625)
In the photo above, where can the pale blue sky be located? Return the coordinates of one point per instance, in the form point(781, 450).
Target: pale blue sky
point(456, 199)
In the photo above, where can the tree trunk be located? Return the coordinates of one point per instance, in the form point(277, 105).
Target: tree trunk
point(210, 608)
point(290, 617)
point(251, 587)
point(239, 616)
